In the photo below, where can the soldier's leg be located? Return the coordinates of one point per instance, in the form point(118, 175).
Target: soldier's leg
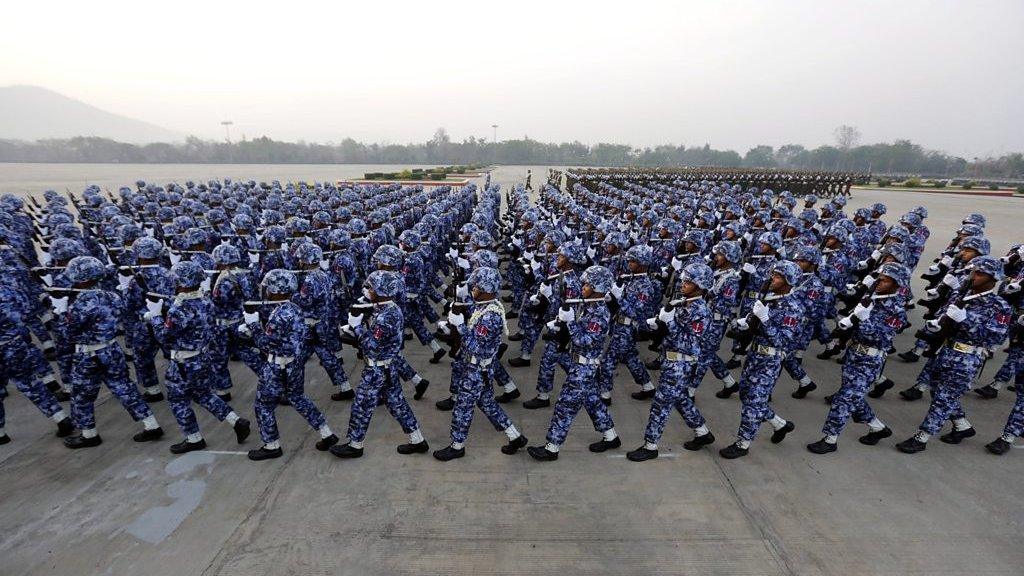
point(546, 374)
point(85, 387)
point(115, 371)
point(269, 390)
point(367, 393)
point(218, 358)
point(400, 410)
point(180, 401)
point(334, 366)
point(570, 400)
point(296, 394)
point(664, 399)
point(144, 349)
point(494, 412)
point(469, 389)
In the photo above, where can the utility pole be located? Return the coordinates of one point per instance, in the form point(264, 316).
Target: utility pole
point(227, 129)
point(495, 126)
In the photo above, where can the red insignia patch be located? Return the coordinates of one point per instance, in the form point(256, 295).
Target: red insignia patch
point(697, 326)
point(790, 321)
point(378, 332)
point(813, 294)
point(903, 291)
point(893, 321)
point(838, 266)
point(481, 329)
point(594, 327)
point(1003, 319)
point(729, 292)
point(643, 297)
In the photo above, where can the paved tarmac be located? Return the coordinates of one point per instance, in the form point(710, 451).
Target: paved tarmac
point(128, 509)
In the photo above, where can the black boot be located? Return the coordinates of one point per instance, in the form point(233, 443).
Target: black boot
point(62, 396)
point(264, 453)
point(437, 356)
point(149, 435)
point(449, 453)
point(65, 428)
point(225, 396)
point(698, 442)
point(733, 451)
point(958, 436)
point(987, 392)
point(606, 401)
point(881, 388)
point(445, 405)
point(603, 445)
point(910, 356)
point(911, 394)
point(76, 442)
point(242, 428)
point(420, 447)
point(822, 447)
point(517, 337)
point(641, 454)
point(998, 446)
point(513, 446)
point(519, 362)
point(511, 315)
point(873, 437)
point(5, 439)
point(727, 391)
point(343, 395)
point(643, 394)
point(829, 399)
point(780, 434)
point(151, 397)
point(911, 446)
point(421, 389)
point(507, 397)
point(537, 402)
point(346, 451)
point(653, 364)
point(185, 446)
point(801, 392)
point(541, 453)
point(324, 444)
point(732, 364)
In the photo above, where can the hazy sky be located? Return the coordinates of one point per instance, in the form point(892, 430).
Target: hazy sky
point(949, 75)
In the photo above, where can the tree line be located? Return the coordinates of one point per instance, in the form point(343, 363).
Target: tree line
point(900, 157)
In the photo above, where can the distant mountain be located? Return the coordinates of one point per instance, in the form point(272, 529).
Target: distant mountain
point(33, 113)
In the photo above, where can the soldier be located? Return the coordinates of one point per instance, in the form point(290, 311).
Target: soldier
point(684, 321)
point(479, 335)
point(635, 296)
point(419, 289)
point(146, 276)
point(875, 324)
point(187, 331)
point(812, 293)
point(380, 340)
point(587, 332)
point(976, 323)
point(723, 297)
point(233, 285)
point(278, 329)
point(315, 298)
point(90, 323)
point(776, 324)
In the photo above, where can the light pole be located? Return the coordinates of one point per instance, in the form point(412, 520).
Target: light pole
point(227, 129)
point(495, 126)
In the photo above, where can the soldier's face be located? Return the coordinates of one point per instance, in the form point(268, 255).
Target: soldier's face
point(968, 254)
point(832, 243)
point(886, 285)
point(588, 291)
point(689, 289)
point(804, 265)
point(778, 284)
point(981, 281)
point(561, 261)
point(634, 266)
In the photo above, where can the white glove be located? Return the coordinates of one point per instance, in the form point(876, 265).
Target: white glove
point(666, 315)
point(591, 252)
point(456, 319)
point(545, 290)
point(46, 260)
point(845, 323)
point(284, 245)
point(153, 309)
point(652, 323)
point(876, 254)
point(947, 260)
point(749, 268)
point(742, 324)
point(932, 325)
point(48, 279)
point(535, 266)
point(123, 280)
point(244, 330)
point(453, 253)
point(869, 281)
point(463, 263)
point(1020, 251)
point(517, 242)
point(528, 254)
point(566, 315)
point(534, 300)
point(933, 268)
point(175, 258)
point(225, 242)
point(250, 317)
point(677, 264)
point(462, 291)
point(325, 265)
point(59, 305)
point(761, 311)
point(951, 281)
point(148, 232)
point(956, 314)
point(862, 312)
point(1012, 288)
point(254, 258)
point(931, 293)
point(444, 327)
point(748, 236)
point(634, 236)
point(44, 230)
point(205, 284)
point(553, 326)
point(617, 290)
point(354, 320)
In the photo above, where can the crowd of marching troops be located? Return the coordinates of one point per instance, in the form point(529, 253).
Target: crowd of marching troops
point(712, 272)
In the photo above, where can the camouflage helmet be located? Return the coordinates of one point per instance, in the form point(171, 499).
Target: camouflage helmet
point(84, 269)
point(280, 281)
point(988, 265)
point(225, 254)
point(384, 283)
point(980, 244)
point(574, 253)
point(788, 270)
point(700, 274)
point(772, 239)
point(308, 253)
point(808, 254)
point(485, 259)
point(64, 249)
point(730, 249)
point(410, 239)
point(147, 248)
point(599, 278)
point(188, 274)
point(486, 279)
point(898, 272)
point(388, 255)
point(641, 254)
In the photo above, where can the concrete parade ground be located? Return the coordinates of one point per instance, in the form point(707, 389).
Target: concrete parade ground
point(127, 509)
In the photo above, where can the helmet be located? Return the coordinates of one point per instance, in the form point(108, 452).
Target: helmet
point(340, 238)
point(988, 265)
point(275, 234)
point(242, 222)
point(147, 248)
point(485, 259)
point(788, 270)
point(920, 211)
point(188, 274)
point(641, 254)
point(64, 249)
point(878, 208)
point(772, 239)
point(280, 281)
point(308, 253)
point(410, 239)
point(700, 274)
point(911, 218)
point(486, 278)
point(839, 233)
point(899, 233)
point(357, 226)
point(976, 219)
point(384, 282)
point(84, 269)
point(730, 249)
point(897, 272)
point(808, 254)
point(192, 237)
point(897, 251)
point(599, 278)
point(226, 254)
point(977, 243)
point(482, 239)
point(574, 253)
point(388, 255)
point(297, 226)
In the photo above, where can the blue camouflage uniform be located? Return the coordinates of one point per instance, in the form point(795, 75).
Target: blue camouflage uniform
point(20, 361)
point(639, 299)
point(481, 336)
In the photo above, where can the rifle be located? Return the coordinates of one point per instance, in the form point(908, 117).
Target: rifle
point(744, 338)
point(946, 326)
